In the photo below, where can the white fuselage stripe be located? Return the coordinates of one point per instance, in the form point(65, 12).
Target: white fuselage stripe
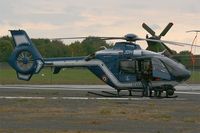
point(109, 74)
point(99, 63)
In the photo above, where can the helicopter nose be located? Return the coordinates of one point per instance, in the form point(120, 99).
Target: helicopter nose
point(184, 76)
point(187, 75)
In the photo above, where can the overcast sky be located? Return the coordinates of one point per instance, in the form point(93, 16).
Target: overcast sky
point(66, 18)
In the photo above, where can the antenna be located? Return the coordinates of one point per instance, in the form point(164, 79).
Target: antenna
point(193, 41)
point(195, 38)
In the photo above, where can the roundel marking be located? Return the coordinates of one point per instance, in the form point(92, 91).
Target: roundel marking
point(104, 78)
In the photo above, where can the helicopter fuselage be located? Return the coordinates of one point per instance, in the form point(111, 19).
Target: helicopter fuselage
point(125, 65)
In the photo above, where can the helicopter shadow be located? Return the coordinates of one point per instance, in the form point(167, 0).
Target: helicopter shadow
point(115, 95)
point(125, 95)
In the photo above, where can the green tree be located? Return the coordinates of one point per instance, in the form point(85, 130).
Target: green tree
point(5, 48)
point(93, 44)
point(185, 57)
point(50, 48)
point(56, 48)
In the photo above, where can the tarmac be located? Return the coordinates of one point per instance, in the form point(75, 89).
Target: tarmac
point(71, 109)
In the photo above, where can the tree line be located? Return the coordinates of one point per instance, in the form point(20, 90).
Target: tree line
point(55, 48)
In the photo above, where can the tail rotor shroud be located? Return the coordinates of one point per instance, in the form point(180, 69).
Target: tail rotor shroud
point(25, 59)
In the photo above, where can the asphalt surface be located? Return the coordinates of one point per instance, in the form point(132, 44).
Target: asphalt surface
point(70, 108)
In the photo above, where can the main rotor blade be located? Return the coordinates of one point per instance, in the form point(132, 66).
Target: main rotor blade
point(103, 38)
point(112, 38)
point(168, 49)
point(179, 43)
point(193, 31)
point(148, 29)
point(167, 28)
point(66, 38)
point(168, 42)
point(161, 41)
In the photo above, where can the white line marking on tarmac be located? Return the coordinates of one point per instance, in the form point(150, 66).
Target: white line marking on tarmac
point(60, 87)
point(71, 98)
point(21, 97)
point(192, 93)
point(85, 98)
point(186, 87)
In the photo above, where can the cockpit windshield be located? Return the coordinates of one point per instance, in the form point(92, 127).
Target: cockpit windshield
point(173, 67)
point(159, 69)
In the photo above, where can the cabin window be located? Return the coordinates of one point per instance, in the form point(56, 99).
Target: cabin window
point(128, 66)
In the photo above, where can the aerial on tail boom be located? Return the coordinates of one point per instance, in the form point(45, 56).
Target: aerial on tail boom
point(124, 67)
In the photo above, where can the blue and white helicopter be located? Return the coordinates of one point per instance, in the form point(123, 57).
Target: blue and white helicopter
point(125, 66)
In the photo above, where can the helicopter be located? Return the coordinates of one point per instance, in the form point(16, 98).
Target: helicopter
point(125, 66)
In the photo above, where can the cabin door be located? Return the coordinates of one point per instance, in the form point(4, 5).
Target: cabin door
point(143, 69)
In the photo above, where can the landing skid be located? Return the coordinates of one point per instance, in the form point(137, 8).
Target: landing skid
point(98, 94)
point(159, 95)
point(172, 96)
point(110, 94)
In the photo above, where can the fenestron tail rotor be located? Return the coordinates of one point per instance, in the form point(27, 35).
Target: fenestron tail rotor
point(25, 60)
